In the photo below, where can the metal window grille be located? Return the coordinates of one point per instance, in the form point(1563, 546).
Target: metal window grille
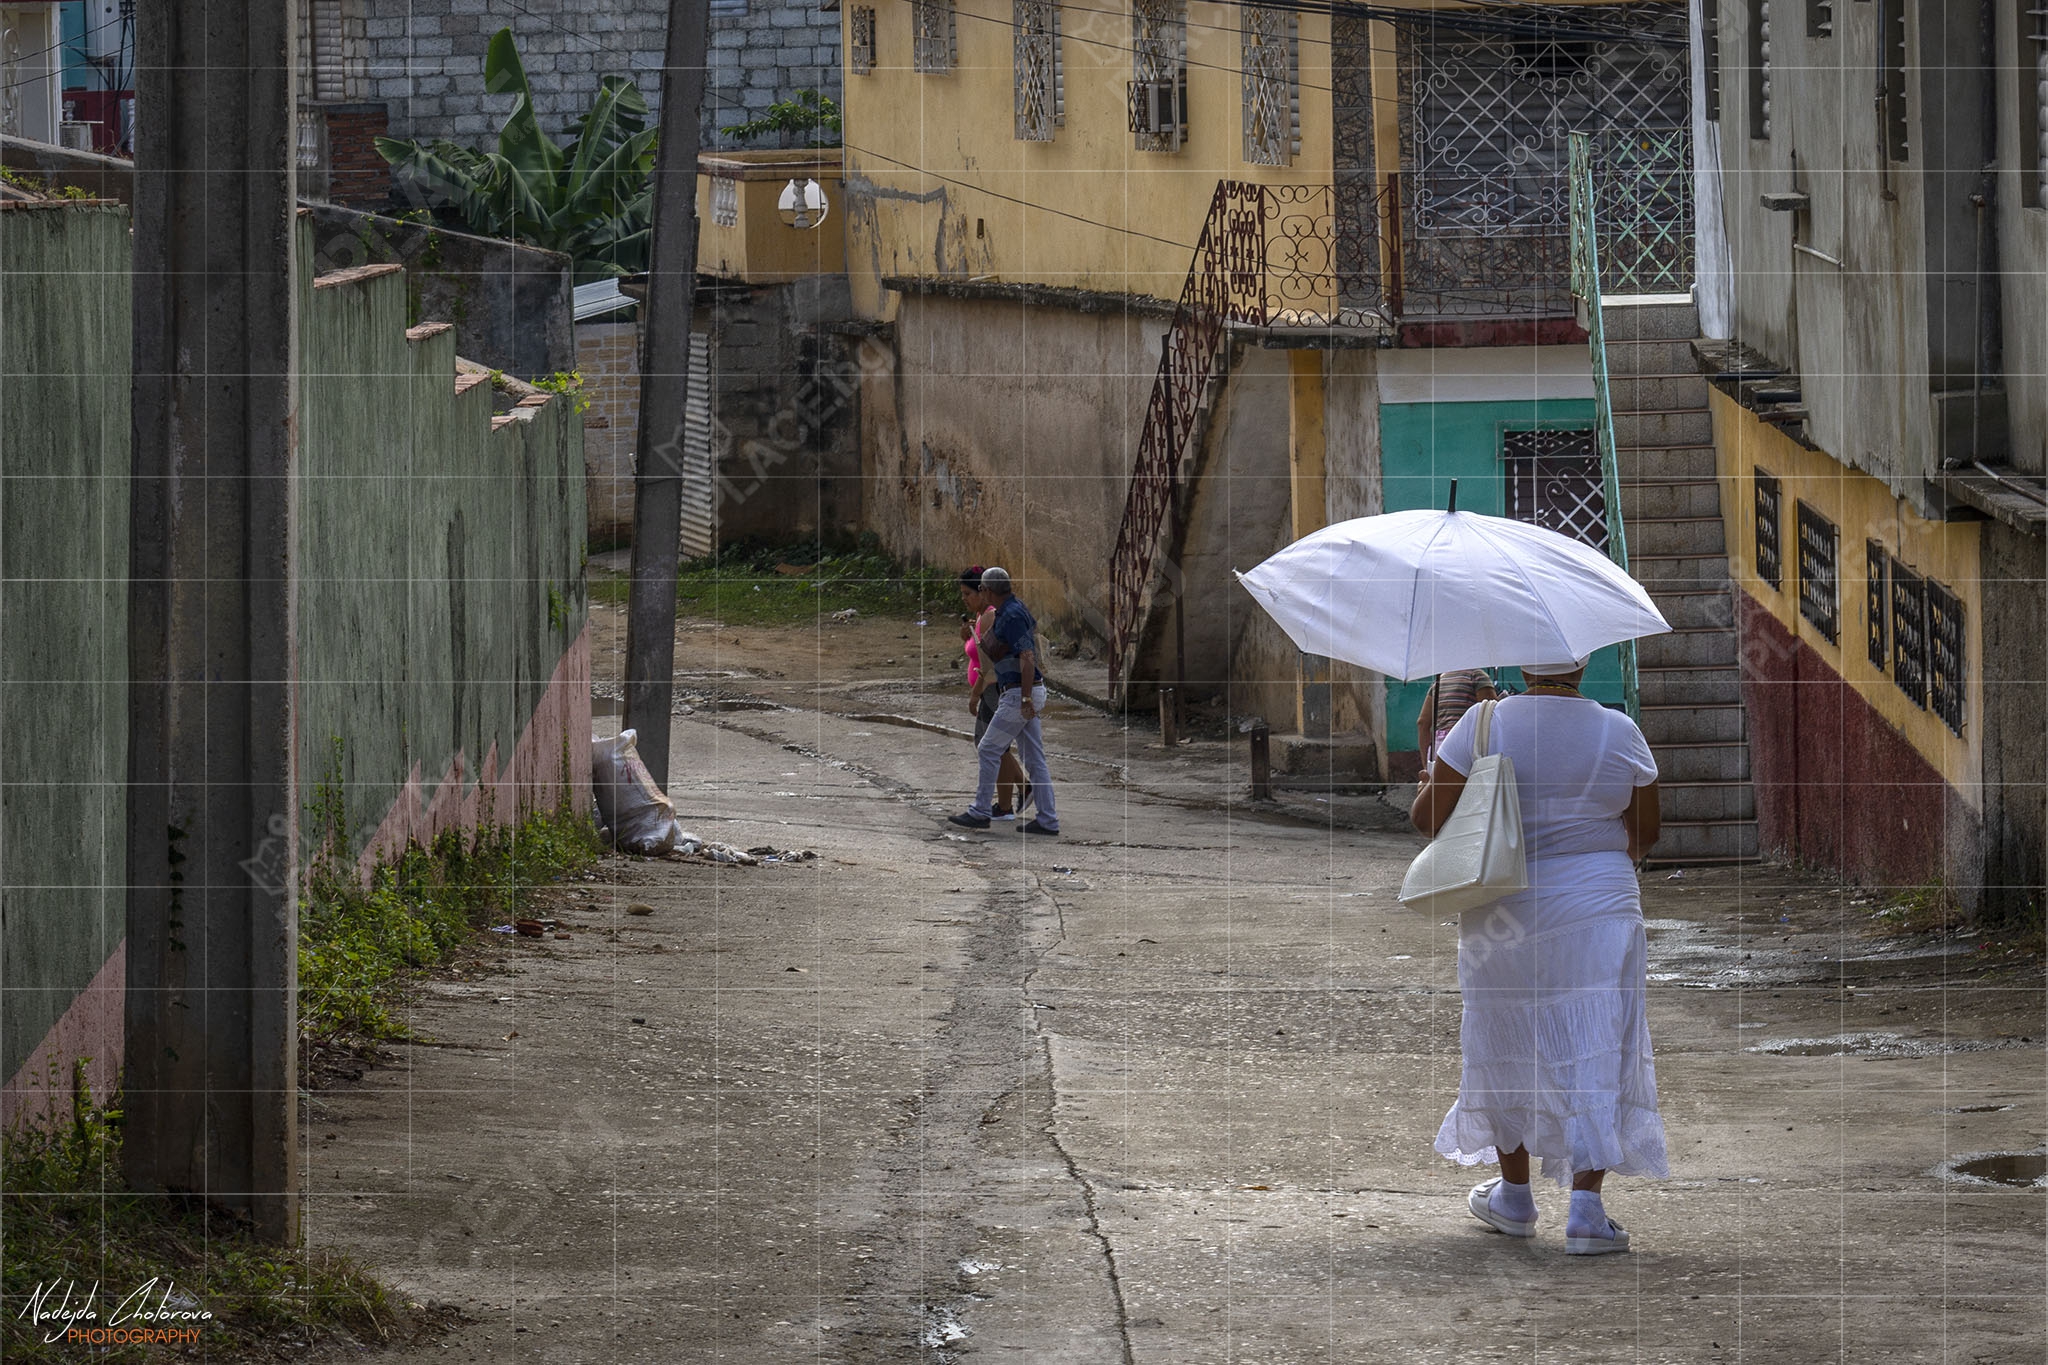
point(1159, 63)
point(860, 45)
point(725, 202)
point(1770, 560)
point(1710, 53)
point(1760, 68)
point(1820, 19)
point(1876, 612)
point(1040, 76)
point(1554, 480)
point(934, 49)
point(2034, 115)
point(1820, 587)
point(1909, 633)
point(1946, 681)
point(1891, 37)
point(1270, 59)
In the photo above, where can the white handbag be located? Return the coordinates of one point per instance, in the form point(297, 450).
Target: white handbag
point(1478, 855)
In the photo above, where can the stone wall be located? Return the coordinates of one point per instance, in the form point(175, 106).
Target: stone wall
point(425, 58)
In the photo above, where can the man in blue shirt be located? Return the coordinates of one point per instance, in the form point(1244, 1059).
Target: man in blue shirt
point(1012, 642)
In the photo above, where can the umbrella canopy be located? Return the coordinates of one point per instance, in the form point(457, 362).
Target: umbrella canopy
point(1410, 594)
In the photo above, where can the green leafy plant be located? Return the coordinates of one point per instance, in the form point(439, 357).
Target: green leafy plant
point(807, 114)
point(568, 383)
point(591, 199)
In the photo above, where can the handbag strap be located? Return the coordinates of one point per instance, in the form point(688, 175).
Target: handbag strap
point(1484, 727)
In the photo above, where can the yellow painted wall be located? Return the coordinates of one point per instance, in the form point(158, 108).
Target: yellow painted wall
point(1862, 509)
point(955, 193)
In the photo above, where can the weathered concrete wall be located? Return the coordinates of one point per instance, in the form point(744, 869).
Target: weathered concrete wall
point(443, 666)
point(2014, 642)
point(1353, 487)
point(785, 384)
point(426, 57)
point(1004, 433)
point(608, 358)
point(512, 306)
point(64, 446)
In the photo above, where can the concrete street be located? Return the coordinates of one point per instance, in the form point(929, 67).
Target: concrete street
point(1162, 1090)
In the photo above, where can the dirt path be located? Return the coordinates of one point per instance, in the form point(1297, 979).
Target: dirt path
point(1162, 1091)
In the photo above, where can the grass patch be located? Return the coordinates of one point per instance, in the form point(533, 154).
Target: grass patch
point(355, 943)
point(1929, 909)
point(69, 1219)
point(754, 583)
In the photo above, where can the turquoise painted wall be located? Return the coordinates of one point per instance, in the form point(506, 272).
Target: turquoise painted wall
point(1423, 447)
point(64, 443)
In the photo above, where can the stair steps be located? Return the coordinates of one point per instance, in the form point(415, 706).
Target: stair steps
point(1689, 680)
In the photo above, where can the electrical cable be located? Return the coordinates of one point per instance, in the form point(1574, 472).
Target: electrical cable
point(62, 43)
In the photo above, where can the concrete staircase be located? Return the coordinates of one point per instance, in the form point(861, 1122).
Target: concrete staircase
point(1671, 509)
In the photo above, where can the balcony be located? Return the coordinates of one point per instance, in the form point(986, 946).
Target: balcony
point(740, 232)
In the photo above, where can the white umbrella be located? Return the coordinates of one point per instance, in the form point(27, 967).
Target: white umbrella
point(1409, 594)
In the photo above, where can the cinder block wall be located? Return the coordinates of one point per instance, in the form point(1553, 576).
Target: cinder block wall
point(425, 58)
point(608, 358)
point(64, 446)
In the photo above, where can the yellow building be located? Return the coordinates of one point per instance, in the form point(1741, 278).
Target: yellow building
point(1140, 263)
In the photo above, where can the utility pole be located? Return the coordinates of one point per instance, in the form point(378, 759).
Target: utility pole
point(211, 1067)
point(664, 382)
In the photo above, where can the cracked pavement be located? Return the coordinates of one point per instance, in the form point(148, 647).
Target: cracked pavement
point(1159, 1091)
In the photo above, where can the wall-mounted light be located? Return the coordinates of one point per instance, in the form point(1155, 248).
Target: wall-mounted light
point(803, 204)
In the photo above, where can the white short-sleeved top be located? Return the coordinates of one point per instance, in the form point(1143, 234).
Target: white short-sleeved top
point(1577, 765)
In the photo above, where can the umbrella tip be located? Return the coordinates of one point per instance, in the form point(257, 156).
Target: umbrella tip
point(1454, 497)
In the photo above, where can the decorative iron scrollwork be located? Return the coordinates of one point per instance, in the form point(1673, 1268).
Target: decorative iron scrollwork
point(1820, 589)
point(1041, 95)
point(1270, 60)
point(1770, 559)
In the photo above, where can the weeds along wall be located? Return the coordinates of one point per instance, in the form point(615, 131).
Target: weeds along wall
point(64, 447)
point(443, 664)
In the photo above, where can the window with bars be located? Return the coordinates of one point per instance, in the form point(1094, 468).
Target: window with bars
point(1909, 633)
point(1891, 91)
point(1710, 57)
point(2033, 120)
point(860, 42)
point(1770, 560)
point(1041, 79)
point(1554, 481)
point(1820, 19)
point(1159, 74)
point(934, 48)
point(1271, 63)
point(1876, 613)
point(1820, 588)
point(1759, 72)
point(1946, 681)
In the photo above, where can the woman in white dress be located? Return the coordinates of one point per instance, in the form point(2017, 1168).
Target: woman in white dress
point(1554, 1034)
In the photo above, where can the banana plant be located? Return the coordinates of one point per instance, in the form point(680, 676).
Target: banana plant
point(591, 199)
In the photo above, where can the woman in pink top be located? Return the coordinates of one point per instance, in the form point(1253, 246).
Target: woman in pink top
point(1012, 790)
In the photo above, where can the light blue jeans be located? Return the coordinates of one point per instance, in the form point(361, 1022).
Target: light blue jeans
point(1010, 726)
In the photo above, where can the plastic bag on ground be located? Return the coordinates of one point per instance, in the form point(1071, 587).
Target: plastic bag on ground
point(641, 819)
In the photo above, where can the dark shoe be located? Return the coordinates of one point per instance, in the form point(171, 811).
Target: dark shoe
point(968, 821)
point(1001, 813)
point(1036, 827)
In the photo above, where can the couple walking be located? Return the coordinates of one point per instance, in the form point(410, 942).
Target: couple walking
point(1001, 640)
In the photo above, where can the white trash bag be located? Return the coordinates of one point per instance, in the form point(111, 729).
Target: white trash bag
point(640, 818)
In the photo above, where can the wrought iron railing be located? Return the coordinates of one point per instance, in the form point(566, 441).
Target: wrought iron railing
point(1270, 256)
point(1586, 277)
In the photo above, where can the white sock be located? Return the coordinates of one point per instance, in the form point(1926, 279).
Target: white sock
point(1513, 1201)
point(1588, 1218)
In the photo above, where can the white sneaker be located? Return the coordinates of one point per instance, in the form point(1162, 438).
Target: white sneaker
point(1480, 1201)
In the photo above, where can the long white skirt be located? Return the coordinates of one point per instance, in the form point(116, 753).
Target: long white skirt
point(1556, 1038)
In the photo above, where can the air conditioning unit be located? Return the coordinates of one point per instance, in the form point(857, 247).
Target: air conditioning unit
point(1160, 109)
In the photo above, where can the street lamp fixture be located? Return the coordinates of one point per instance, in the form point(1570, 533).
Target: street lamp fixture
point(803, 204)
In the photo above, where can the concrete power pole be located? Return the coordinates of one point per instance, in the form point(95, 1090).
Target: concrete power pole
point(664, 381)
point(212, 1075)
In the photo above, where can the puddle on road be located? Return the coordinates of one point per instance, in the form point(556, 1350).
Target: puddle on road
point(1978, 1109)
point(1878, 1045)
point(1689, 954)
point(2009, 1170)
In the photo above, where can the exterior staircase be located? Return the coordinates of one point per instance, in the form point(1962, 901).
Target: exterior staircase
point(1691, 707)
